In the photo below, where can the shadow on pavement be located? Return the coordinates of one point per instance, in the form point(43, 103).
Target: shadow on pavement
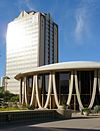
point(23, 123)
point(33, 128)
point(75, 129)
point(86, 117)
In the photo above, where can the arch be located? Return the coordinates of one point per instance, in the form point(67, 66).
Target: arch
point(26, 102)
point(55, 91)
point(70, 89)
point(94, 90)
point(49, 91)
point(33, 91)
point(23, 92)
point(77, 91)
point(20, 94)
point(37, 92)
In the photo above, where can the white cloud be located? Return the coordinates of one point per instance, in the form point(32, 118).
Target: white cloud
point(28, 4)
point(25, 3)
point(83, 13)
point(80, 22)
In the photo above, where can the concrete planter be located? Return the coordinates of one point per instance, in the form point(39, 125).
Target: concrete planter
point(26, 115)
point(85, 113)
point(67, 113)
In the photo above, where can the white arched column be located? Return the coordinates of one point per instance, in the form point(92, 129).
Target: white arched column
point(49, 91)
point(33, 92)
point(55, 90)
point(77, 91)
point(52, 83)
point(94, 90)
point(70, 89)
point(23, 92)
point(37, 92)
point(20, 94)
point(26, 101)
point(35, 88)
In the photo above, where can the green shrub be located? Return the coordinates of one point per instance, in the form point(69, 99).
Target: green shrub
point(30, 107)
point(14, 98)
point(4, 105)
point(86, 110)
point(97, 108)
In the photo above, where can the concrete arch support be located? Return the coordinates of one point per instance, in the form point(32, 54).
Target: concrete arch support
point(70, 89)
point(99, 80)
point(55, 90)
point(77, 91)
point(23, 93)
point(20, 94)
point(49, 91)
point(37, 92)
point(94, 89)
point(26, 102)
point(33, 91)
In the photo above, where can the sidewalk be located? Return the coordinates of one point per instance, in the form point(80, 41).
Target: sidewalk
point(77, 122)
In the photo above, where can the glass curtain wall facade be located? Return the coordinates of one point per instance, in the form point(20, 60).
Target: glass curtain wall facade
point(32, 41)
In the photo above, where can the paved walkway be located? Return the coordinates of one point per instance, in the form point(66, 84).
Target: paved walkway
point(77, 123)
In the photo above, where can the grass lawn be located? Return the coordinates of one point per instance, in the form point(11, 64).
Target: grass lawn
point(12, 108)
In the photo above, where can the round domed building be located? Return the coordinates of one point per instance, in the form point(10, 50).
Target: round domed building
point(76, 84)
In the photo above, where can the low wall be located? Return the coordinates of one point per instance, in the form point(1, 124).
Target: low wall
point(34, 115)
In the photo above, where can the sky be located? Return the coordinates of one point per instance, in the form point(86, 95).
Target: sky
point(78, 22)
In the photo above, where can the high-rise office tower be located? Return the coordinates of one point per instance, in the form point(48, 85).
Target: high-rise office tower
point(32, 41)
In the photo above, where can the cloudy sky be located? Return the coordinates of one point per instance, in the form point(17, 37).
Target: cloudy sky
point(78, 21)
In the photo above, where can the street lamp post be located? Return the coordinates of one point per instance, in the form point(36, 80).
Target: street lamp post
point(5, 82)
